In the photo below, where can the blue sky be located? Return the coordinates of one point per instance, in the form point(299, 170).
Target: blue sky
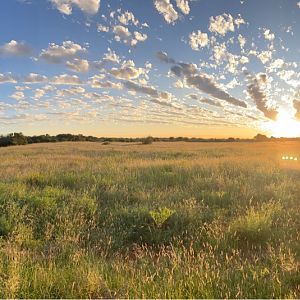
point(138, 67)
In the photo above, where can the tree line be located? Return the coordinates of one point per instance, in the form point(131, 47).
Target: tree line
point(18, 138)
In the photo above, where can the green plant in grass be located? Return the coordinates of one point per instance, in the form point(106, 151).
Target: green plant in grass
point(161, 215)
point(257, 225)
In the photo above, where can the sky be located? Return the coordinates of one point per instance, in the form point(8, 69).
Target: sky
point(195, 68)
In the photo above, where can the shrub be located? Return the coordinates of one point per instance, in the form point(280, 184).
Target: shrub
point(256, 226)
point(148, 140)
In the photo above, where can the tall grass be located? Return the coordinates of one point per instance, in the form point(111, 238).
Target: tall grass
point(165, 220)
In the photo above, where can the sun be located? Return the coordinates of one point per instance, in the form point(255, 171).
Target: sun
point(284, 126)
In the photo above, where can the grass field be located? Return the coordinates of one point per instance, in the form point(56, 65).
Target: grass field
point(167, 220)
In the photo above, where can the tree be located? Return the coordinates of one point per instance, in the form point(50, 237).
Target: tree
point(148, 140)
point(261, 138)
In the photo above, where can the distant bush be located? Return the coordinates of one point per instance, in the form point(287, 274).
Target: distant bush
point(148, 140)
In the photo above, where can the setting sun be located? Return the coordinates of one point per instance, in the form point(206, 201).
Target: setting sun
point(284, 126)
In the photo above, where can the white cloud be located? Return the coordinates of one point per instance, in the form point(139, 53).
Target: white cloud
point(165, 8)
point(298, 4)
point(128, 18)
point(75, 90)
point(242, 41)
point(87, 6)
point(140, 36)
point(244, 60)
point(78, 65)
point(127, 71)
point(239, 21)
point(57, 54)
point(111, 56)
point(183, 5)
point(221, 24)
point(97, 82)
point(14, 48)
point(178, 84)
point(220, 52)
point(265, 56)
point(39, 93)
point(276, 64)
point(198, 40)
point(66, 79)
point(121, 33)
point(7, 78)
point(102, 28)
point(18, 96)
point(35, 78)
point(268, 35)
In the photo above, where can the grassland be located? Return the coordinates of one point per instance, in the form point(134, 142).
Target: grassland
point(167, 220)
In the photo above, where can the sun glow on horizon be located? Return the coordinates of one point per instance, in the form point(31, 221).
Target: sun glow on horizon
point(284, 126)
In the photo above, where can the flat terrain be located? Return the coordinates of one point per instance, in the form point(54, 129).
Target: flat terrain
point(167, 220)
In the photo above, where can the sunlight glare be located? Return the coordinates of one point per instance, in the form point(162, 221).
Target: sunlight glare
point(284, 126)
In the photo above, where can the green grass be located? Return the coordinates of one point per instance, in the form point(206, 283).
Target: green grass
point(165, 220)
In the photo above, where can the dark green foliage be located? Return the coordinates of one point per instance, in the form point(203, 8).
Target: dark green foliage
point(148, 140)
point(14, 139)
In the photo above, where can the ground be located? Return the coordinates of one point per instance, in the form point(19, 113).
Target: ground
point(166, 220)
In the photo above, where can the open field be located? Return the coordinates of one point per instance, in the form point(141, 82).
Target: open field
point(164, 220)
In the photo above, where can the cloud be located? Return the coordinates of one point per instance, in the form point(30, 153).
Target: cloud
point(260, 98)
point(97, 82)
point(268, 35)
point(198, 40)
point(102, 28)
point(242, 41)
point(206, 84)
point(184, 69)
point(165, 8)
point(87, 6)
point(265, 56)
point(7, 78)
point(148, 90)
point(221, 24)
point(75, 90)
point(140, 37)
point(296, 104)
point(211, 102)
point(78, 65)
point(14, 48)
point(56, 54)
point(128, 18)
point(122, 34)
point(127, 71)
point(66, 79)
point(39, 93)
point(111, 56)
point(193, 96)
point(35, 78)
point(18, 96)
point(183, 5)
point(203, 82)
point(239, 21)
point(163, 56)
